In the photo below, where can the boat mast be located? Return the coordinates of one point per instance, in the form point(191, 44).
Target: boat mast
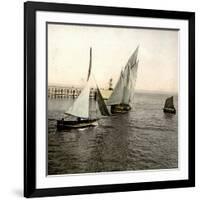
point(90, 64)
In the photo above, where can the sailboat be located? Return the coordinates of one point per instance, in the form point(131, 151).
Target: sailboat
point(80, 109)
point(169, 106)
point(121, 99)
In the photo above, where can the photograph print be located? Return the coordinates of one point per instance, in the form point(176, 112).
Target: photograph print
point(112, 98)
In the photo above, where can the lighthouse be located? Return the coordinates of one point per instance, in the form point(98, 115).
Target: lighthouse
point(110, 84)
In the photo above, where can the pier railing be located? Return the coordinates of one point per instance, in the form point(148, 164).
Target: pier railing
point(65, 92)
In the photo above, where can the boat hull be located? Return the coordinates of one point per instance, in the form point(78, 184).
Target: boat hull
point(121, 108)
point(169, 110)
point(62, 124)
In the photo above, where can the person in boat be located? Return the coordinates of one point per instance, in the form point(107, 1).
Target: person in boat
point(78, 119)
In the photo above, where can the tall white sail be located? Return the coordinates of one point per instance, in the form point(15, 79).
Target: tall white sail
point(127, 85)
point(117, 95)
point(124, 89)
point(133, 59)
point(80, 107)
point(133, 82)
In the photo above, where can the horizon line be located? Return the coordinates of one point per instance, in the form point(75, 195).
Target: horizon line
point(136, 90)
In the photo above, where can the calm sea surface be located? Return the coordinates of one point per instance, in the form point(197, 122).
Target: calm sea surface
point(144, 138)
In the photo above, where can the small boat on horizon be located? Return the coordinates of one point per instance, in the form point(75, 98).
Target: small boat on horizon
point(79, 114)
point(169, 106)
point(121, 99)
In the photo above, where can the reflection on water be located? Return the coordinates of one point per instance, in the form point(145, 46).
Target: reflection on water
point(144, 138)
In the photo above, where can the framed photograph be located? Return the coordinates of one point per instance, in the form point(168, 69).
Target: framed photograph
point(109, 99)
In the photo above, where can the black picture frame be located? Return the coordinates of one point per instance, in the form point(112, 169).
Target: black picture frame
point(30, 9)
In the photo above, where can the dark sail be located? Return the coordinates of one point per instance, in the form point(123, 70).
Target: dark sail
point(169, 102)
point(102, 106)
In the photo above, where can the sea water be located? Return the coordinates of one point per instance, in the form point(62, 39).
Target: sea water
point(144, 138)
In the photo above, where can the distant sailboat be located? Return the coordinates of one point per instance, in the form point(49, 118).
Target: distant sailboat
point(81, 107)
point(121, 99)
point(169, 106)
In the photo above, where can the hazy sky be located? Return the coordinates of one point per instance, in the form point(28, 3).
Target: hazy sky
point(68, 55)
